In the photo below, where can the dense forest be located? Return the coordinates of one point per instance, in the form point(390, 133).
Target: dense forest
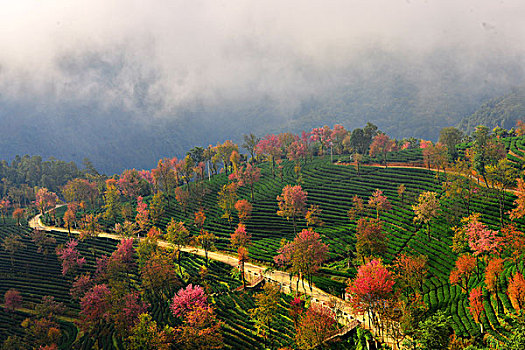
point(331, 238)
point(503, 111)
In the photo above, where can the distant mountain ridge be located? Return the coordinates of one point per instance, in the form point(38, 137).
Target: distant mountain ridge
point(502, 111)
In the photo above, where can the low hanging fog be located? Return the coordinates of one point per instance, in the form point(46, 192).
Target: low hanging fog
point(90, 78)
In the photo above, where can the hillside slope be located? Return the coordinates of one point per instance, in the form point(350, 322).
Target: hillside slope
point(502, 111)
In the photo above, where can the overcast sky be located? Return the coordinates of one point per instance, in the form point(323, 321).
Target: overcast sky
point(168, 53)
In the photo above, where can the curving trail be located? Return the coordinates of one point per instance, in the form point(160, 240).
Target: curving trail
point(254, 272)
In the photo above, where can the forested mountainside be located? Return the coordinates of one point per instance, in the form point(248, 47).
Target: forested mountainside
point(502, 111)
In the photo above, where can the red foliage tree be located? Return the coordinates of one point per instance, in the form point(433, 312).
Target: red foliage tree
point(292, 203)
point(200, 218)
point(381, 144)
point(465, 266)
point(132, 184)
point(5, 204)
point(45, 200)
point(242, 256)
point(296, 309)
point(80, 286)
point(323, 136)
point(315, 326)
point(247, 177)
point(121, 261)
point(188, 299)
point(95, 307)
point(182, 198)
point(297, 150)
point(481, 240)
point(513, 241)
point(476, 307)
point(69, 219)
point(12, 299)
point(18, 215)
point(338, 135)
point(269, 146)
point(142, 218)
point(244, 210)
point(154, 233)
point(240, 238)
point(305, 254)
point(516, 291)
point(372, 284)
point(70, 257)
point(379, 202)
point(492, 272)
point(200, 330)
point(410, 271)
point(127, 312)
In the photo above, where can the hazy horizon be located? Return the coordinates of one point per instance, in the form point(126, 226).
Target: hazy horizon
point(155, 61)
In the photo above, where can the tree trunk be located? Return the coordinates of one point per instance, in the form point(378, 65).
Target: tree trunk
point(242, 274)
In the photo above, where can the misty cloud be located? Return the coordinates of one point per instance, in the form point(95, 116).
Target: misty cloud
point(156, 56)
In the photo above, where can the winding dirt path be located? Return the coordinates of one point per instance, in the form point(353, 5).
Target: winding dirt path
point(254, 272)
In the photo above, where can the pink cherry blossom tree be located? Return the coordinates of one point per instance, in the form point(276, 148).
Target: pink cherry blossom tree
point(70, 257)
point(188, 299)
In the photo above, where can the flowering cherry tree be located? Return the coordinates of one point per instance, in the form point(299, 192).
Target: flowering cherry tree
point(188, 299)
point(379, 202)
point(305, 254)
point(70, 257)
point(292, 203)
point(12, 299)
point(372, 284)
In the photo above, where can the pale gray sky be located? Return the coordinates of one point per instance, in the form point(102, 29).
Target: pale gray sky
point(168, 53)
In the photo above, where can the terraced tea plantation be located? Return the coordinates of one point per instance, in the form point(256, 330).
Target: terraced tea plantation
point(35, 276)
point(332, 187)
